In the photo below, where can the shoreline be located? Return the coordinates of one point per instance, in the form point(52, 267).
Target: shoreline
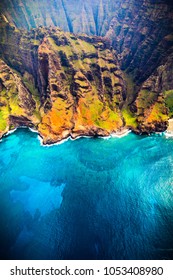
point(118, 134)
point(122, 133)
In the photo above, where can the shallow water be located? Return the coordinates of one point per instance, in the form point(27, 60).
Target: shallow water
point(86, 199)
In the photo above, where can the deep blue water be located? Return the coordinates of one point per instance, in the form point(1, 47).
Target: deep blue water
point(86, 199)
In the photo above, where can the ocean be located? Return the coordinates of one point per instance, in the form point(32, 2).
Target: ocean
point(91, 198)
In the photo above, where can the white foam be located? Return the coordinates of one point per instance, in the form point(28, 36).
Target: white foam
point(10, 132)
point(168, 134)
point(33, 130)
point(78, 137)
point(54, 144)
point(121, 134)
point(60, 142)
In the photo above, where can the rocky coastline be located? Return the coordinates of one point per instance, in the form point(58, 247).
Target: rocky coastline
point(90, 133)
point(64, 85)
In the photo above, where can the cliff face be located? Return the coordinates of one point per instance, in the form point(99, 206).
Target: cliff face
point(155, 99)
point(140, 31)
point(91, 17)
point(59, 83)
point(64, 84)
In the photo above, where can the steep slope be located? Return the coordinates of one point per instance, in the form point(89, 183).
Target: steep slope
point(155, 98)
point(59, 83)
point(75, 16)
point(17, 105)
point(141, 31)
point(75, 81)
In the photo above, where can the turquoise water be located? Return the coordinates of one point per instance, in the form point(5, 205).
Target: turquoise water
point(86, 199)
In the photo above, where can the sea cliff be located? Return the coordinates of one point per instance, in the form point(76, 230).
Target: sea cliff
point(66, 84)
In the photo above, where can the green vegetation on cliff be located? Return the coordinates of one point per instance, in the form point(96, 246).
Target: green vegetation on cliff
point(169, 101)
point(64, 84)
